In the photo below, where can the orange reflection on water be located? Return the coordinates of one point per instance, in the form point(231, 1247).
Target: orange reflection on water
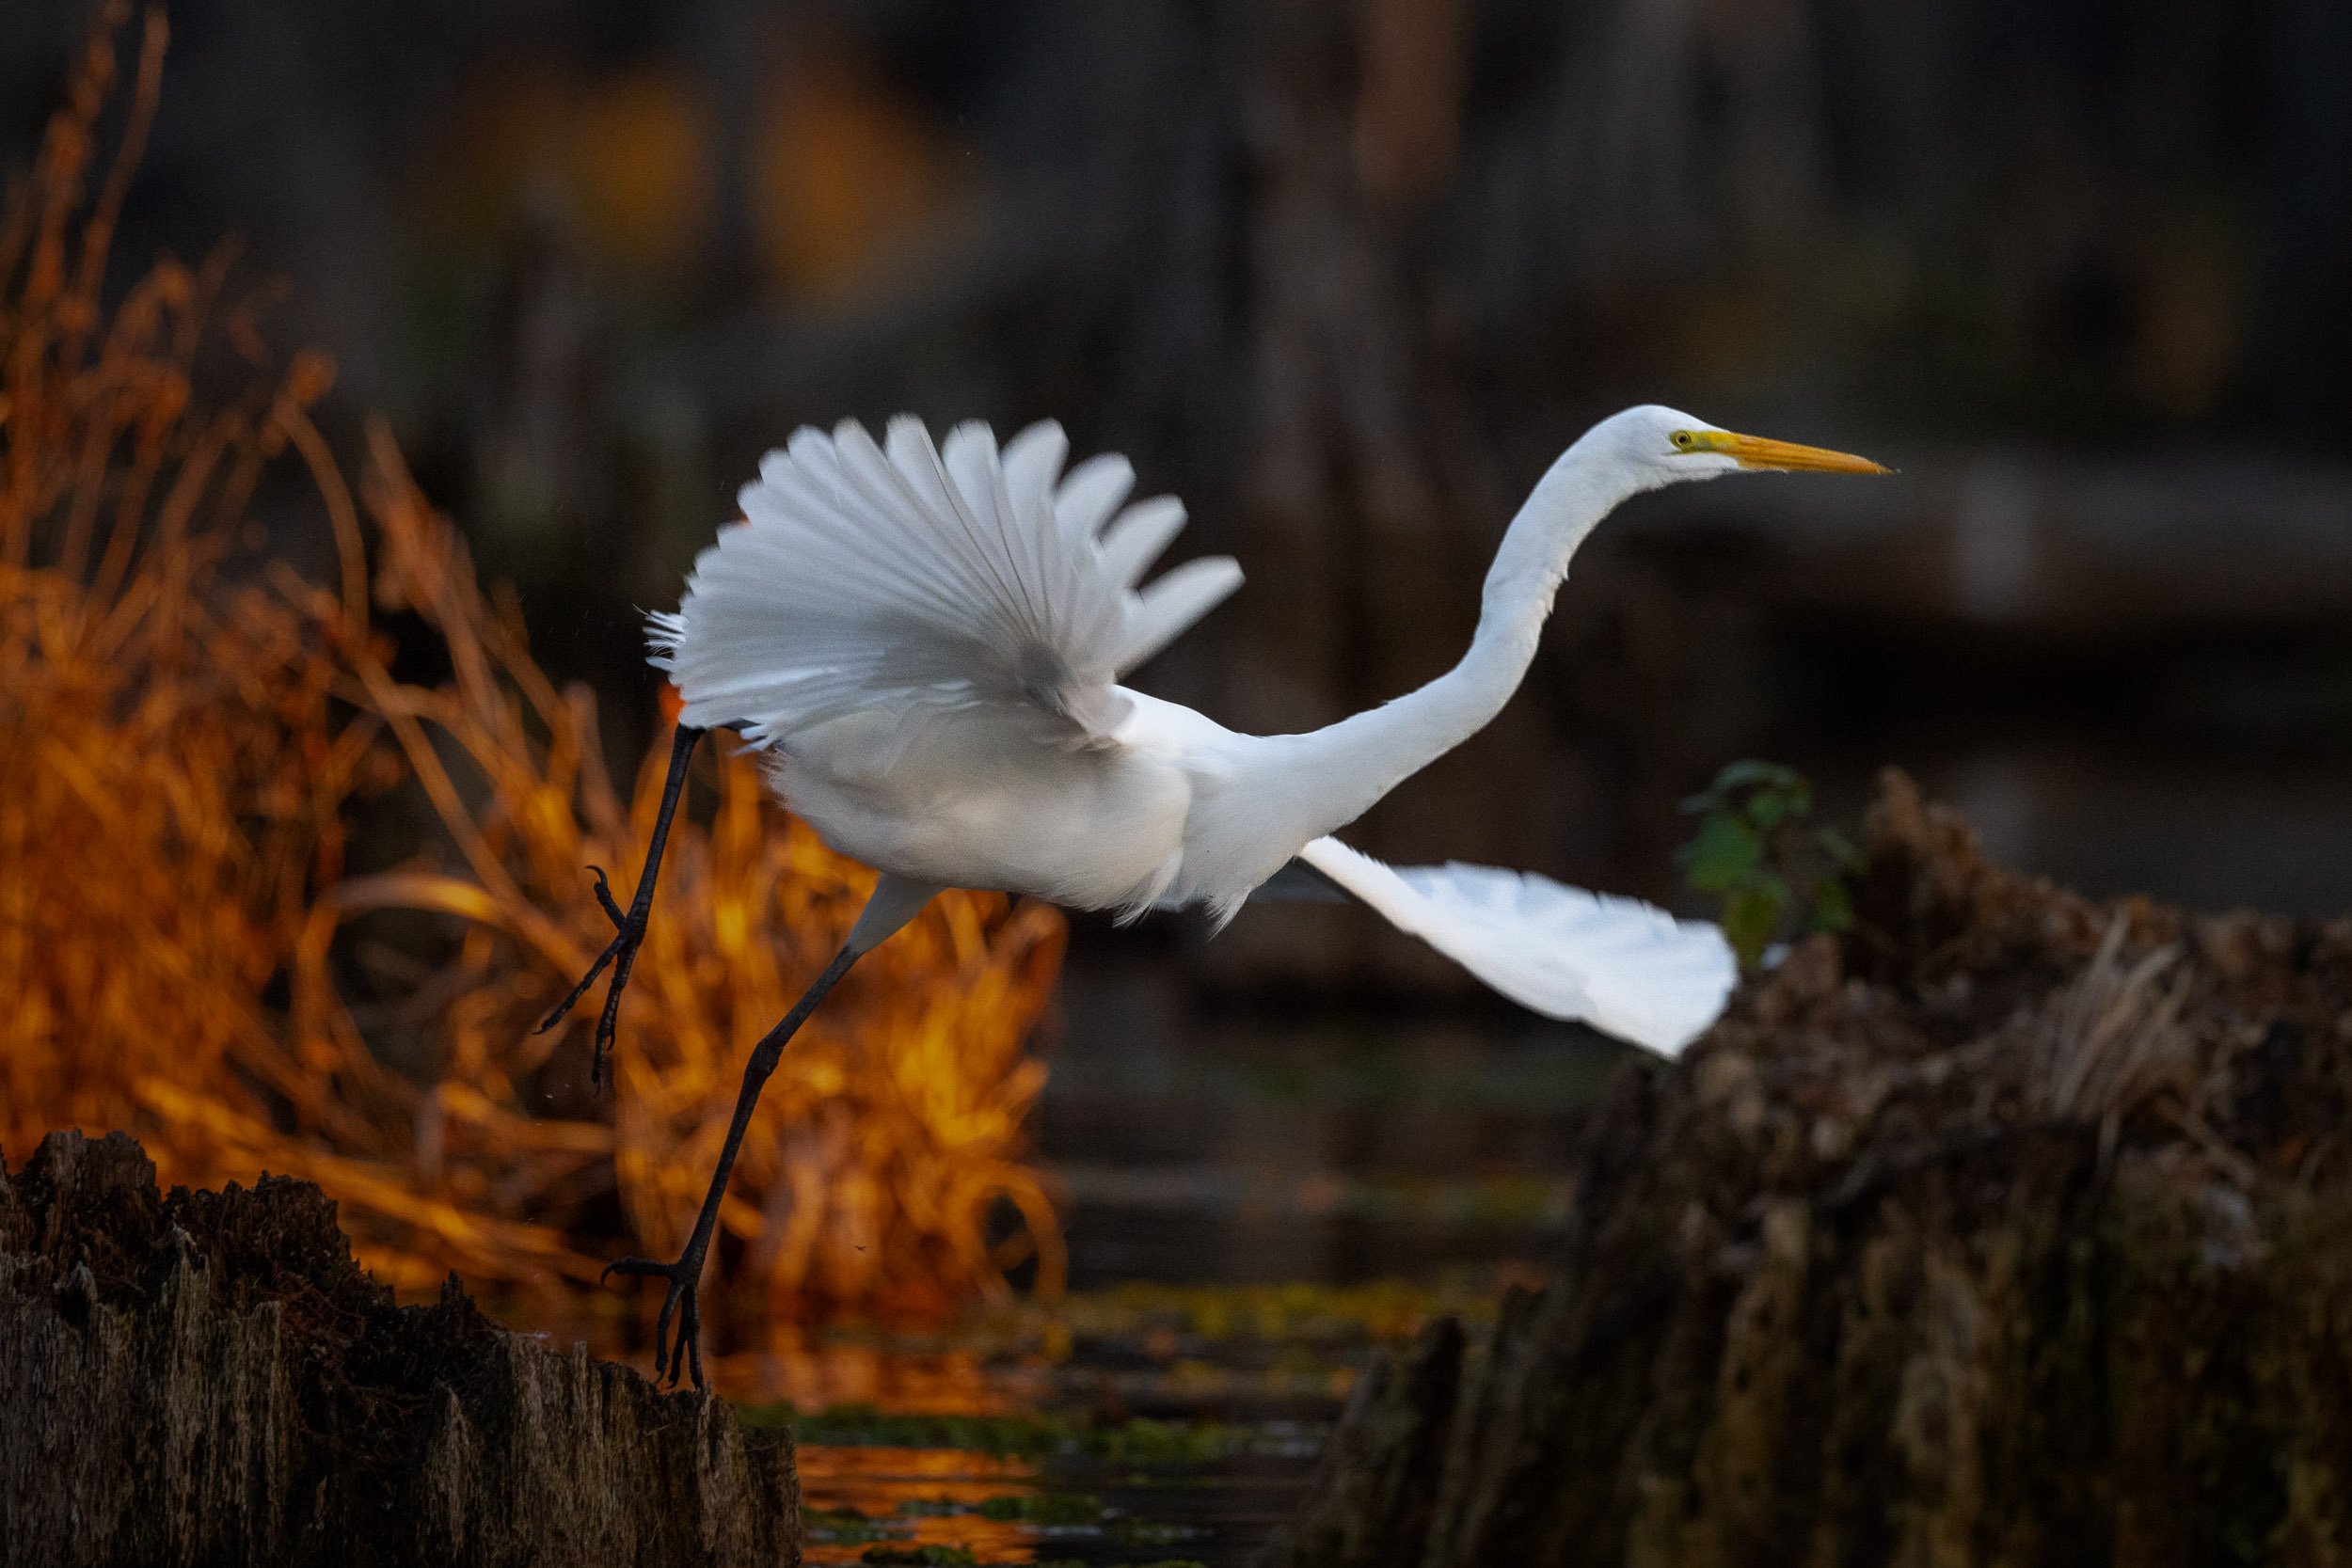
point(875, 1481)
point(810, 1369)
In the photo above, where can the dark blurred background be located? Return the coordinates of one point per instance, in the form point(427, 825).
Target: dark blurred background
point(1345, 276)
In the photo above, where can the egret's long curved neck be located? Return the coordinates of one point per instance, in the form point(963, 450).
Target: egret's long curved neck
point(1336, 773)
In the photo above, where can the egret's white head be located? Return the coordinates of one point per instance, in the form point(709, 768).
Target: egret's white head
point(1659, 446)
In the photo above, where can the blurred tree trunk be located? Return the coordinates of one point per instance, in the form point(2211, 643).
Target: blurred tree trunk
point(1360, 456)
point(1349, 312)
point(2012, 1229)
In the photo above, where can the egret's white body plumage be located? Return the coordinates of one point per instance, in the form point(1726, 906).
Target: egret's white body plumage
point(929, 641)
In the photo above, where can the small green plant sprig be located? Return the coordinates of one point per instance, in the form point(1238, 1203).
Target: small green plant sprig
point(1755, 851)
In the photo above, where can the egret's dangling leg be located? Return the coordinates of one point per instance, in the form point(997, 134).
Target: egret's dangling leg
point(895, 901)
point(621, 952)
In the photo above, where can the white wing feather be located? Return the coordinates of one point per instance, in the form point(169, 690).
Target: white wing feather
point(1615, 963)
point(904, 575)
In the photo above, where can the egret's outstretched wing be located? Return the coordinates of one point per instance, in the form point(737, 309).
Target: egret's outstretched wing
point(1615, 963)
point(903, 575)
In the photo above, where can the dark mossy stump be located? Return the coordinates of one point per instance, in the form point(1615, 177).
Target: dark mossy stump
point(2007, 1228)
point(210, 1378)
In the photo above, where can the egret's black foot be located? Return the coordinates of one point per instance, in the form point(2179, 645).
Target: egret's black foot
point(684, 1352)
point(629, 933)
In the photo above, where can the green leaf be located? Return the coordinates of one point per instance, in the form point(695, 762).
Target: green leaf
point(1751, 919)
point(1832, 906)
point(1726, 854)
point(1754, 774)
point(1838, 847)
point(1767, 807)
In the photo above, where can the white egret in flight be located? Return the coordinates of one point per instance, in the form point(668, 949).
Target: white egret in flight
point(928, 641)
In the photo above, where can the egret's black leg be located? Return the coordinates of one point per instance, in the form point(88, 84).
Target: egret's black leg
point(685, 1275)
point(630, 927)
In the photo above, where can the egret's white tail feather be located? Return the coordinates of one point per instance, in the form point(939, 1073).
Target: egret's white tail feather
point(869, 575)
point(1618, 964)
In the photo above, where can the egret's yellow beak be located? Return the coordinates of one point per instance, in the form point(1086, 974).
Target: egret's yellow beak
point(1756, 451)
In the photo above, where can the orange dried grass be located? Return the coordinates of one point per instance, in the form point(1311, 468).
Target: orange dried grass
point(183, 733)
point(896, 1119)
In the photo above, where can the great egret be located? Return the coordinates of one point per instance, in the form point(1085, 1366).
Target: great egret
point(927, 641)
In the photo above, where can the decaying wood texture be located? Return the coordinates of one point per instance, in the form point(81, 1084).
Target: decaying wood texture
point(209, 1378)
point(2009, 1227)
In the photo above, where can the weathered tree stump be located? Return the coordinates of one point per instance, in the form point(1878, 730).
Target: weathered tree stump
point(2006, 1229)
point(211, 1378)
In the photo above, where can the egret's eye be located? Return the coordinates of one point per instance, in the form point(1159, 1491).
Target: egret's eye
point(1684, 441)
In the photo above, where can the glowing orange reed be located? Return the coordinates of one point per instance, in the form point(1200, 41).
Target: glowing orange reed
point(185, 728)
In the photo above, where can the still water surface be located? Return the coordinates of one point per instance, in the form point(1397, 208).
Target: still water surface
point(1253, 1207)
